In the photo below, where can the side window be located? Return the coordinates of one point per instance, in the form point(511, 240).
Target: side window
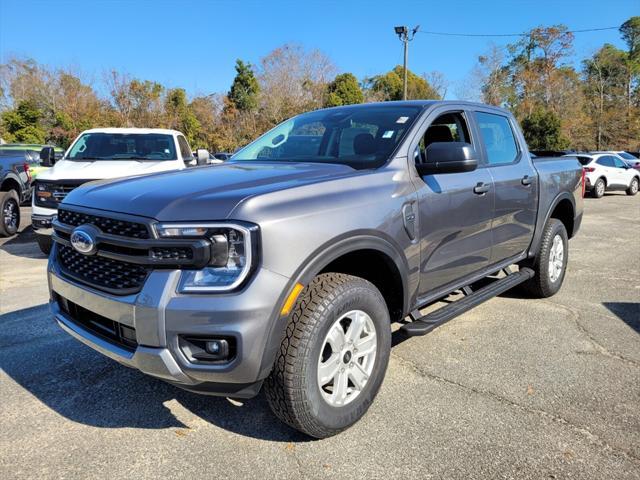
point(498, 138)
point(606, 161)
point(619, 163)
point(448, 127)
point(186, 152)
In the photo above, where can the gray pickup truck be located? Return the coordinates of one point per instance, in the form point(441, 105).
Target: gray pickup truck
point(287, 265)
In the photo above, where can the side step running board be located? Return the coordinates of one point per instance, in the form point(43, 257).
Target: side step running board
point(427, 323)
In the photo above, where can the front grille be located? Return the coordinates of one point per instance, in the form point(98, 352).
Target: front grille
point(104, 273)
point(111, 226)
point(171, 253)
point(112, 331)
point(58, 193)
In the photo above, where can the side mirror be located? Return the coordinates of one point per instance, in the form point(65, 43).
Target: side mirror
point(448, 157)
point(202, 156)
point(47, 156)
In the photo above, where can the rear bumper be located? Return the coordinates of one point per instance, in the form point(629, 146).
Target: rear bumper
point(161, 317)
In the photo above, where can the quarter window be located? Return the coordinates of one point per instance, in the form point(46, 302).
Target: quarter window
point(498, 138)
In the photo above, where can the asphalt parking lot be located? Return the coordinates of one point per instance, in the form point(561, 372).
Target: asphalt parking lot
point(516, 388)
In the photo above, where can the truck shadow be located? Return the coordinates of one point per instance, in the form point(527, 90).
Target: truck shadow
point(628, 312)
point(23, 244)
point(85, 387)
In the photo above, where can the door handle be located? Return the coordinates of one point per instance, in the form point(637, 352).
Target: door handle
point(409, 220)
point(526, 180)
point(481, 188)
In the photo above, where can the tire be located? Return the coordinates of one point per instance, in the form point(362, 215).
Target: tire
point(44, 242)
point(294, 390)
point(545, 284)
point(633, 186)
point(599, 188)
point(9, 213)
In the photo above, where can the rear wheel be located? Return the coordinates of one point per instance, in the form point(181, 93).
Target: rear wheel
point(550, 264)
point(333, 356)
point(633, 186)
point(44, 242)
point(10, 211)
point(599, 188)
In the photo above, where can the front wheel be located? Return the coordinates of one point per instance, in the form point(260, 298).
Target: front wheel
point(633, 187)
point(550, 264)
point(10, 211)
point(333, 357)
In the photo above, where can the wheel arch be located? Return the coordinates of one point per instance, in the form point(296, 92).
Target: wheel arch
point(339, 255)
point(11, 183)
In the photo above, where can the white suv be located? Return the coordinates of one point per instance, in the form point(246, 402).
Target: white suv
point(607, 172)
point(104, 153)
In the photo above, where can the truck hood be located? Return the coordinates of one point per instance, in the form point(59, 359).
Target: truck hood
point(99, 169)
point(203, 193)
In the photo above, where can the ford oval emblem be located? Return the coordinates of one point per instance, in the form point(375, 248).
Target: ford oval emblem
point(83, 241)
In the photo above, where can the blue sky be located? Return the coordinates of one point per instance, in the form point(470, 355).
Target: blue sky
point(194, 44)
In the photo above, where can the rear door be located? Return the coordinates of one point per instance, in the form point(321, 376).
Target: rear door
point(455, 210)
point(623, 176)
point(515, 182)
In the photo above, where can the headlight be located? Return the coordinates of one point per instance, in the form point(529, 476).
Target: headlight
point(230, 259)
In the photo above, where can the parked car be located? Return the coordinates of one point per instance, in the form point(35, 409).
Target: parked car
point(105, 153)
point(15, 188)
point(286, 265)
point(223, 156)
point(627, 158)
point(31, 152)
point(608, 172)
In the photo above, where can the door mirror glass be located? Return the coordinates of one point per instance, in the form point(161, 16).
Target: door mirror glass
point(202, 156)
point(47, 156)
point(448, 157)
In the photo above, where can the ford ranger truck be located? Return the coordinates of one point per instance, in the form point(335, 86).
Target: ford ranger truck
point(286, 266)
point(103, 153)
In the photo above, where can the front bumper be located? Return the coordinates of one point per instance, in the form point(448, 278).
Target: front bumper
point(161, 316)
point(41, 218)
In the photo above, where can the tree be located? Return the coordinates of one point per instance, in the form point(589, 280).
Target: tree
point(243, 95)
point(605, 77)
point(180, 116)
point(390, 85)
point(23, 123)
point(292, 80)
point(344, 90)
point(542, 131)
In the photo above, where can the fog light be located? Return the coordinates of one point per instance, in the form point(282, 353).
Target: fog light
point(208, 349)
point(218, 347)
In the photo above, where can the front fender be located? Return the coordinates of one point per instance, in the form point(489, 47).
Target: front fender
point(316, 262)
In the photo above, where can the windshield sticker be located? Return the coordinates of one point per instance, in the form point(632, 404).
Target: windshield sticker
point(166, 150)
point(387, 134)
point(402, 120)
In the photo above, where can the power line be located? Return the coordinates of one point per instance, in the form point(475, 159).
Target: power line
point(450, 34)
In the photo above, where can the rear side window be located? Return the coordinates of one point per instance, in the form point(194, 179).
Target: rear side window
point(606, 161)
point(186, 152)
point(584, 160)
point(498, 138)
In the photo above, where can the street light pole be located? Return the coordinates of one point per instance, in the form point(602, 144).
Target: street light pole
point(405, 38)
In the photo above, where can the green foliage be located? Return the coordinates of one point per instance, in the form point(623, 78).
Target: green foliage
point(542, 131)
point(243, 94)
point(180, 115)
point(23, 124)
point(390, 85)
point(344, 90)
point(630, 32)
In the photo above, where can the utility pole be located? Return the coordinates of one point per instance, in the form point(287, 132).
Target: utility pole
point(405, 37)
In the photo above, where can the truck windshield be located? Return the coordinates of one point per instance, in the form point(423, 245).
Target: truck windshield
point(358, 136)
point(123, 146)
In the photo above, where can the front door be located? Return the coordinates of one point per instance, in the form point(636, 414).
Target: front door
point(455, 210)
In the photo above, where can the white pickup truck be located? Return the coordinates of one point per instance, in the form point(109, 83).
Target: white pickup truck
point(104, 153)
